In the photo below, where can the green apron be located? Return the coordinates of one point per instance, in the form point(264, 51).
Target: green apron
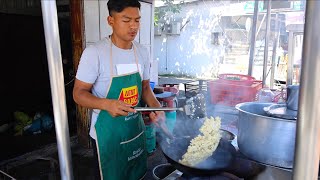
point(121, 141)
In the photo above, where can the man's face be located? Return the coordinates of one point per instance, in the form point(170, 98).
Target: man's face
point(125, 24)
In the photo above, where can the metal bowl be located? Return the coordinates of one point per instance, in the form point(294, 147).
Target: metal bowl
point(227, 135)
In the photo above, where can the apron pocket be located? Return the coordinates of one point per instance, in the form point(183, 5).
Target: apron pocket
point(134, 156)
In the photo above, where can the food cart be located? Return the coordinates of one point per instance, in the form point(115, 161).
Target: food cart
point(307, 147)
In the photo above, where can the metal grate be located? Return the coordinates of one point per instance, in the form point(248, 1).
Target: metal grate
point(193, 88)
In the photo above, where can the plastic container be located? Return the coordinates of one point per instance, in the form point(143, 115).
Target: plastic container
point(238, 79)
point(151, 138)
point(265, 95)
point(173, 90)
point(152, 85)
point(171, 118)
point(169, 97)
point(230, 94)
point(279, 96)
point(150, 133)
point(293, 97)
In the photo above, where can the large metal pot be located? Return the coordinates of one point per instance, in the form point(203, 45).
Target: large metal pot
point(265, 139)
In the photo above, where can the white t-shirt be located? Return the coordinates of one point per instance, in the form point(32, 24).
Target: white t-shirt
point(94, 68)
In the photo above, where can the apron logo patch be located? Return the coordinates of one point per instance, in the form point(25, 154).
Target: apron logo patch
point(129, 95)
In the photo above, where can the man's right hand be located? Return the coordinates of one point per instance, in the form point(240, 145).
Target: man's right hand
point(83, 96)
point(118, 108)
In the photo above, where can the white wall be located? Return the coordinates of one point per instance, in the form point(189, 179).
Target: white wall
point(95, 15)
point(191, 52)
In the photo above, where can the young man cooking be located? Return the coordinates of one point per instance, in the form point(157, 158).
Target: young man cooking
point(112, 77)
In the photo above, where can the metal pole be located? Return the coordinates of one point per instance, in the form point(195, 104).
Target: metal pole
point(51, 30)
point(290, 58)
point(274, 50)
point(307, 147)
point(166, 53)
point(253, 36)
point(266, 45)
point(260, 25)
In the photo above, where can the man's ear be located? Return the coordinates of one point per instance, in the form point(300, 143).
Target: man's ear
point(110, 20)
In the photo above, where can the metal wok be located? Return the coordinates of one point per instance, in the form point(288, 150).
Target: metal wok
point(220, 161)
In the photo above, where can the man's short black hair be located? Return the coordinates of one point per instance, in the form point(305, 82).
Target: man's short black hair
point(120, 5)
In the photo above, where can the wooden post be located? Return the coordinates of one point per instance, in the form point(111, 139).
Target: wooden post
point(78, 41)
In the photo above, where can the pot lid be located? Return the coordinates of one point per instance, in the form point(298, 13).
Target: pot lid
point(281, 111)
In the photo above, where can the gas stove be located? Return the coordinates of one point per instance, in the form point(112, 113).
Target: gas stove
point(178, 175)
point(220, 176)
point(242, 168)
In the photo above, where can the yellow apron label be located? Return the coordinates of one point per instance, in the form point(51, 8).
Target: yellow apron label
point(129, 95)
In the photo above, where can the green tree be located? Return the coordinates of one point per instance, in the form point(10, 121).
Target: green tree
point(167, 10)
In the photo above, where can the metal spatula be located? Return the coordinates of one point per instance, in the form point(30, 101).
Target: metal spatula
point(161, 124)
point(186, 109)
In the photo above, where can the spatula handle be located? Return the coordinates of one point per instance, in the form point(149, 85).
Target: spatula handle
point(157, 109)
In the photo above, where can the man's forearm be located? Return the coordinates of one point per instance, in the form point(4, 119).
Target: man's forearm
point(86, 99)
point(150, 99)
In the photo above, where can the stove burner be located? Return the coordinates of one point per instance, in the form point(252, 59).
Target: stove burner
point(220, 176)
point(242, 168)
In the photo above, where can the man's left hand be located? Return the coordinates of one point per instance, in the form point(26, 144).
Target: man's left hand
point(157, 117)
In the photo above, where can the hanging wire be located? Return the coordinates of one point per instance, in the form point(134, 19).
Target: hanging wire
point(69, 82)
point(7, 175)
